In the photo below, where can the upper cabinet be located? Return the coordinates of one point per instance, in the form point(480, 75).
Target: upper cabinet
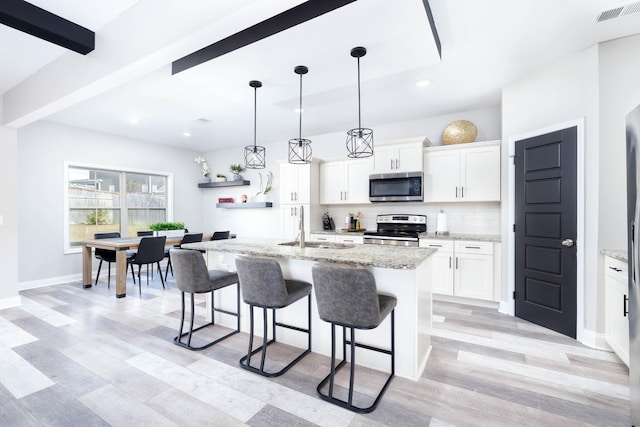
point(468, 173)
point(345, 181)
point(402, 155)
point(298, 183)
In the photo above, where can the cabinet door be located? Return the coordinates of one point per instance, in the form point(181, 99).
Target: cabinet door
point(385, 158)
point(617, 322)
point(441, 175)
point(473, 276)
point(480, 174)
point(409, 157)
point(358, 239)
point(442, 277)
point(303, 179)
point(332, 190)
point(322, 237)
point(288, 183)
point(356, 175)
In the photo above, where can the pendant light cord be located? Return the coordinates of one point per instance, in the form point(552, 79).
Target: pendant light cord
point(359, 114)
point(255, 115)
point(300, 112)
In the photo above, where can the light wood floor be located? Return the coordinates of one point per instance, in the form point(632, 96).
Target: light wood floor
point(80, 357)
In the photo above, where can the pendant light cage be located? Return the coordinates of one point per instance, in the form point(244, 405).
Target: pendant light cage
point(255, 155)
point(359, 140)
point(300, 148)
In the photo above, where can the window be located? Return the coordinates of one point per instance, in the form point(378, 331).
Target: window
point(102, 201)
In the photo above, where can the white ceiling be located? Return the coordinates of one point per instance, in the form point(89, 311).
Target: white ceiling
point(485, 45)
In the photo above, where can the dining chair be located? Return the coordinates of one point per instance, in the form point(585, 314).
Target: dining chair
point(107, 255)
point(150, 251)
point(144, 233)
point(187, 238)
point(220, 235)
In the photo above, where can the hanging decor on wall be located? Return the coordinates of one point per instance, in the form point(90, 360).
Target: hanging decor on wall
point(359, 140)
point(300, 148)
point(254, 155)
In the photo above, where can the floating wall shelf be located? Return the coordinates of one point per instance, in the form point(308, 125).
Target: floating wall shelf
point(244, 205)
point(223, 184)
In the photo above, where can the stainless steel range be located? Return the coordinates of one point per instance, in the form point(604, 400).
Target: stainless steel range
point(398, 230)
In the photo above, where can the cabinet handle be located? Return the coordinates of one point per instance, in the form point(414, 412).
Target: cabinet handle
point(624, 305)
point(391, 160)
point(456, 263)
point(397, 162)
point(345, 195)
point(472, 247)
point(435, 246)
point(615, 269)
point(348, 240)
point(449, 263)
point(456, 192)
point(462, 192)
point(291, 196)
point(291, 211)
point(322, 238)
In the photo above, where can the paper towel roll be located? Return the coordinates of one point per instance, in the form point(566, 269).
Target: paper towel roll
point(441, 223)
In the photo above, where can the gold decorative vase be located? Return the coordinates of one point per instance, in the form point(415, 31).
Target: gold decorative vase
point(459, 132)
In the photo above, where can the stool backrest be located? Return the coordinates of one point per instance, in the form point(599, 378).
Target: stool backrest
point(346, 295)
point(190, 271)
point(261, 282)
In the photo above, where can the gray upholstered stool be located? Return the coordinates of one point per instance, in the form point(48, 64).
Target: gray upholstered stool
point(264, 286)
point(193, 277)
point(348, 297)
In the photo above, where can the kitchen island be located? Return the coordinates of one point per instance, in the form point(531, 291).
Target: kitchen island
point(399, 271)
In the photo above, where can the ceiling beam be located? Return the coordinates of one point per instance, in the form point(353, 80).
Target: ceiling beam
point(38, 22)
point(289, 18)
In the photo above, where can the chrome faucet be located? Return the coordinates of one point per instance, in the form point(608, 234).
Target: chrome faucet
point(301, 227)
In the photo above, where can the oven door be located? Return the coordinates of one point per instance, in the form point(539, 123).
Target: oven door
point(396, 187)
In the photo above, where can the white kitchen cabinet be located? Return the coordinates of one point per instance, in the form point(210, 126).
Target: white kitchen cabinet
point(404, 155)
point(298, 183)
point(345, 181)
point(462, 174)
point(290, 221)
point(350, 238)
point(462, 268)
point(616, 304)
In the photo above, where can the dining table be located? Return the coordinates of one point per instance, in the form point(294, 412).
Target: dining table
point(120, 245)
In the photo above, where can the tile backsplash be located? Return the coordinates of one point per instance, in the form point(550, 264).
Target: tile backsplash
point(473, 218)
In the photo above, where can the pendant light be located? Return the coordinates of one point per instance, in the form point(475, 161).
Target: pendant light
point(299, 148)
point(359, 140)
point(254, 155)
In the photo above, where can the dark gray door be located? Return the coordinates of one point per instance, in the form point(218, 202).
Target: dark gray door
point(545, 230)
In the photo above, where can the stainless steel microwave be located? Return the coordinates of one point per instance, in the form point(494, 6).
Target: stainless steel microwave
point(396, 187)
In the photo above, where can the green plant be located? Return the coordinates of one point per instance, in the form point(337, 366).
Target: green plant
point(237, 169)
point(162, 226)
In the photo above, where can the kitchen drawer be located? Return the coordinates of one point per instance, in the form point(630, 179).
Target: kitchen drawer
point(319, 237)
point(616, 269)
point(472, 247)
point(441, 245)
point(350, 239)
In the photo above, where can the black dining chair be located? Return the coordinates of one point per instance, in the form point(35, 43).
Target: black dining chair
point(107, 255)
point(187, 238)
point(144, 233)
point(150, 251)
point(220, 235)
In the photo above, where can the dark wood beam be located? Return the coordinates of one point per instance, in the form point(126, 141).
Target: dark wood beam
point(285, 20)
point(38, 22)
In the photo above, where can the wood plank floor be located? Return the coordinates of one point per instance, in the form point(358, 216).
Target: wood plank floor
point(80, 357)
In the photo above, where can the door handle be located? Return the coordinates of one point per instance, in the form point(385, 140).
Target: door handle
point(568, 243)
point(625, 311)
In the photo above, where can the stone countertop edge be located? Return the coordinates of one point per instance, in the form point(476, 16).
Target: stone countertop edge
point(618, 254)
point(463, 236)
point(379, 256)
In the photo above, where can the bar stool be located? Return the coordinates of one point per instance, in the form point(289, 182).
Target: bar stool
point(347, 297)
point(193, 277)
point(264, 286)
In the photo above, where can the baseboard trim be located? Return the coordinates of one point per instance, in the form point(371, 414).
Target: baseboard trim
point(50, 281)
point(10, 302)
point(594, 340)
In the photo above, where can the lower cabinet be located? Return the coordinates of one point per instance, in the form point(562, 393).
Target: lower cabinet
point(338, 238)
point(462, 268)
point(616, 320)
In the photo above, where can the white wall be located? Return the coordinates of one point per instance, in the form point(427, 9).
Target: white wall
point(42, 149)
point(565, 91)
point(9, 213)
point(265, 223)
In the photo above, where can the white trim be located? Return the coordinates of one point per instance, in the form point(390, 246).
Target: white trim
point(50, 281)
point(10, 302)
point(509, 305)
point(595, 340)
point(67, 164)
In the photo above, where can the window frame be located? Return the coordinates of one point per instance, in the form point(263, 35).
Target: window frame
point(68, 249)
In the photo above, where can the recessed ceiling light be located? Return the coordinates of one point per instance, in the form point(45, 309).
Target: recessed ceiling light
point(298, 110)
point(423, 83)
point(186, 134)
point(134, 121)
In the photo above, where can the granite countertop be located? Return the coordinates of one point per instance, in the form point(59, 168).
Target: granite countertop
point(393, 257)
point(462, 236)
point(619, 254)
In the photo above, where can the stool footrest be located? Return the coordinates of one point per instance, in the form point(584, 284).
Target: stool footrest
point(177, 340)
point(244, 365)
point(368, 347)
point(295, 328)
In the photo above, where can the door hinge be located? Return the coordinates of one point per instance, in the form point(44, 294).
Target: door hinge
point(514, 294)
point(514, 228)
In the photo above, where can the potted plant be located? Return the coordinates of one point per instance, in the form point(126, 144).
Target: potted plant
point(221, 177)
point(169, 229)
point(236, 170)
point(263, 195)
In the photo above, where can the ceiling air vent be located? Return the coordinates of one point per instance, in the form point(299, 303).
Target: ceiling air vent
point(626, 10)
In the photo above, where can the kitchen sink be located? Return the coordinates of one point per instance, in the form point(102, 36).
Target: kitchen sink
point(320, 245)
